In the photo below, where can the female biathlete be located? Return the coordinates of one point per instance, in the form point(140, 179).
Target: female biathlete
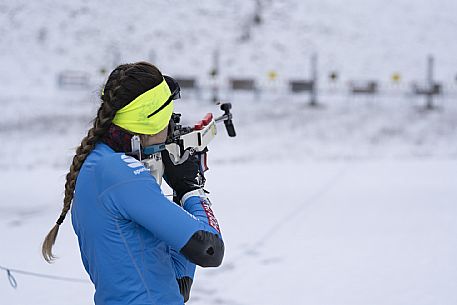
point(137, 246)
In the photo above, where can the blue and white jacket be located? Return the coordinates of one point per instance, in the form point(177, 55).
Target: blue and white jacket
point(137, 246)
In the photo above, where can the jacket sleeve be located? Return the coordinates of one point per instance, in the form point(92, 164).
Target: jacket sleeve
point(128, 191)
point(184, 270)
point(205, 247)
point(200, 208)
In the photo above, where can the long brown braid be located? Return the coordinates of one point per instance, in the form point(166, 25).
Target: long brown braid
point(124, 84)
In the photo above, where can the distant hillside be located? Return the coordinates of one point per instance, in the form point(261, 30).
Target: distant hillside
point(359, 39)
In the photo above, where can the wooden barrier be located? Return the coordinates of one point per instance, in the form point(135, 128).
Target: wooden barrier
point(307, 85)
point(425, 89)
point(367, 87)
point(187, 83)
point(73, 80)
point(298, 86)
point(242, 84)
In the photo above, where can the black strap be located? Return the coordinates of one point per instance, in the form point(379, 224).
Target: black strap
point(163, 106)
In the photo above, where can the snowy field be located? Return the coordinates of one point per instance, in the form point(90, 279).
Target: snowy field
point(358, 232)
point(351, 203)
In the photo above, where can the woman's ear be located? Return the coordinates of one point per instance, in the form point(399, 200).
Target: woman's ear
point(144, 140)
point(147, 140)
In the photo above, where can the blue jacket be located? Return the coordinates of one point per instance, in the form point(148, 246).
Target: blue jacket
point(136, 244)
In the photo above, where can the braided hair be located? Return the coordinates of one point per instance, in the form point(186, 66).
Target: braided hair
point(124, 84)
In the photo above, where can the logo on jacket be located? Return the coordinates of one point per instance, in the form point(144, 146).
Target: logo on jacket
point(134, 163)
point(212, 221)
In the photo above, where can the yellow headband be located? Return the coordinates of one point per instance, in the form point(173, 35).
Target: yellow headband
point(134, 116)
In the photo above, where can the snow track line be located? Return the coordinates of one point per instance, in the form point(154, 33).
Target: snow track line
point(312, 199)
point(253, 251)
point(321, 192)
point(13, 281)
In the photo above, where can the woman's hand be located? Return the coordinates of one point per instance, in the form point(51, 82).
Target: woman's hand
point(185, 175)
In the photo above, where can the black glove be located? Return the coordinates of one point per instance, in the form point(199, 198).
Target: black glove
point(183, 176)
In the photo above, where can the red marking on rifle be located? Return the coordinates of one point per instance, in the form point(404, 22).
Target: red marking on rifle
point(207, 119)
point(198, 126)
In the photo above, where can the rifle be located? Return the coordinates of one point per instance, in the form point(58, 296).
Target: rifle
point(180, 139)
point(197, 138)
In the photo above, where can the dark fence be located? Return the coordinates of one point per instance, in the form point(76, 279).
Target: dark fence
point(366, 87)
point(242, 84)
point(73, 80)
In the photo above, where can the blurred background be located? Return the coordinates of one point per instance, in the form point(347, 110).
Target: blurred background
point(341, 185)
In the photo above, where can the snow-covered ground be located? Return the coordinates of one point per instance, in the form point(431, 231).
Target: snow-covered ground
point(325, 232)
point(346, 204)
point(337, 233)
point(353, 202)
